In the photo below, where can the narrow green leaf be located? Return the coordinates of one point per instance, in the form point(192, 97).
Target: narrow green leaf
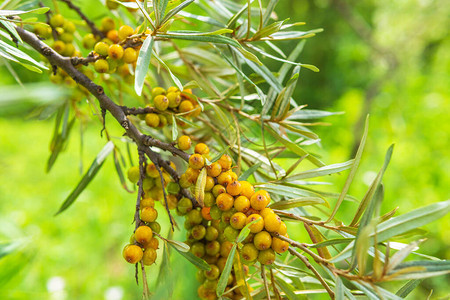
point(250, 171)
point(201, 37)
point(176, 10)
point(180, 246)
point(373, 187)
point(20, 54)
point(297, 202)
point(339, 289)
point(288, 191)
point(408, 287)
point(221, 285)
point(41, 10)
point(8, 248)
point(143, 63)
point(245, 232)
point(332, 242)
point(400, 255)
point(174, 128)
point(308, 114)
point(268, 30)
point(146, 15)
point(204, 19)
point(250, 56)
point(288, 289)
point(198, 262)
point(291, 35)
point(87, 177)
point(10, 29)
point(174, 78)
point(219, 155)
point(237, 15)
point(322, 171)
point(268, 12)
point(353, 170)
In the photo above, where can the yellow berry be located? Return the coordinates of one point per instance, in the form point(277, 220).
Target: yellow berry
point(143, 235)
point(196, 161)
point(66, 37)
point(57, 20)
point(147, 202)
point(132, 253)
point(69, 27)
point(129, 56)
point(234, 188)
point(214, 169)
point(266, 257)
point(262, 240)
point(59, 46)
point(101, 48)
point(115, 51)
point(258, 225)
point(149, 214)
point(242, 204)
point(101, 66)
point(161, 102)
point(238, 220)
point(89, 41)
point(201, 148)
point(158, 91)
point(152, 120)
point(125, 31)
point(174, 99)
point(113, 36)
point(133, 174)
point(149, 256)
point(108, 24)
point(186, 106)
point(152, 170)
point(225, 161)
point(272, 222)
point(184, 142)
point(224, 201)
point(258, 201)
point(279, 246)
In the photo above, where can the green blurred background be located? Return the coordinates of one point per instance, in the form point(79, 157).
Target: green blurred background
point(387, 58)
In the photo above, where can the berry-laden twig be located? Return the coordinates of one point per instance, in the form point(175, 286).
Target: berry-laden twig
point(47, 16)
point(91, 24)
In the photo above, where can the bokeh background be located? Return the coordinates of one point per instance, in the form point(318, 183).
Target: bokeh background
point(390, 59)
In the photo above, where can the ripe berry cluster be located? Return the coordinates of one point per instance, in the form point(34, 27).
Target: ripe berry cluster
point(229, 205)
point(143, 243)
point(171, 101)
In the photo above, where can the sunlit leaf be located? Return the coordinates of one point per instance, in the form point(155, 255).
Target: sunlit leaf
point(198, 262)
point(297, 202)
point(142, 64)
point(250, 171)
point(223, 279)
point(200, 187)
point(176, 10)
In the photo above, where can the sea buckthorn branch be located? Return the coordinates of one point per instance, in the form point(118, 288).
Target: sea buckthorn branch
point(84, 61)
point(141, 153)
point(91, 24)
point(264, 278)
point(137, 111)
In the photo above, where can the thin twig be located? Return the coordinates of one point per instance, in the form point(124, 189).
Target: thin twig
point(47, 17)
point(266, 284)
point(274, 286)
point(91, 24)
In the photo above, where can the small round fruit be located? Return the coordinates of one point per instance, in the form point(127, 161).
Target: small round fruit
point(147, 202)
point(129, 56)
point(249, 252)
point(161, 102)
point(158, 91)
point(194, 217)
point(155, 226)
point(215, 212)
point(265, 212)
point(192, 174)
point(101, 48)
point(230, 233)
point(184, 142)
point(172, 89)
point(242, 204)
point(282, 229)
point(279, 246)
point(213, 273)
point(66, 37)
point(125, 31)
point(184, 206)
point(132, 253)
point(59, 46)
point(57, 20)
point(209, 184)
point(266, 257)
point(198, 232)
point(115, 51)
point(247, 189)
point(113, 35)
point(143, 235)
point(205, 213)
point(196, 161)
point(225, 248)
point(69, 27)
point(185, 106)
point(272, 222)
point(234, 188)
point(198, 249)
point(262, 240)
point(152, 120)
point(224, 201)
point(209, 200)
point(224, 178)
point(214, 169)
point(149, 214)
point(212, 248)
point(184, 181)
point(174, 99)
point(238, 220)
point(133, 174)
point(218, 189)
point(101, 66)
point(211, 233)
point(201, 148)
point(258, 225)
point(258, 201)
point(149, 256)
point(89, 41)
point(108, 24)
point(225, 161)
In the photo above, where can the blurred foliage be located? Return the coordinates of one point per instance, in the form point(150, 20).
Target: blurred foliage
point(386, 58)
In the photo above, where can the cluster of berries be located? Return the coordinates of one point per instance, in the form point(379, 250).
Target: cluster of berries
point(143, 243)
point(171, 101)
point(229, 205)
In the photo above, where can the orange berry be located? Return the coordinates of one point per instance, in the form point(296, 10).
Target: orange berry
point(224, 178)
point(192, 175)
point(265, 212)
point(205, 213)
point(185, 106)
point(282, 229)
point(214, 169)
point(258, 225)
point(258, 201)
point(147, 202)
point(154, 243)
point(234, 188)
point(113, 35)
point(115, 52)
point(132, 253)
point(143, 235)
point(218, 189)
point(184, 142)
point(196, 161)
point(152, 171)
point(224, 201)
point(201, 148)
point(279, 246)
point(225, 161)
point(225, 248)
